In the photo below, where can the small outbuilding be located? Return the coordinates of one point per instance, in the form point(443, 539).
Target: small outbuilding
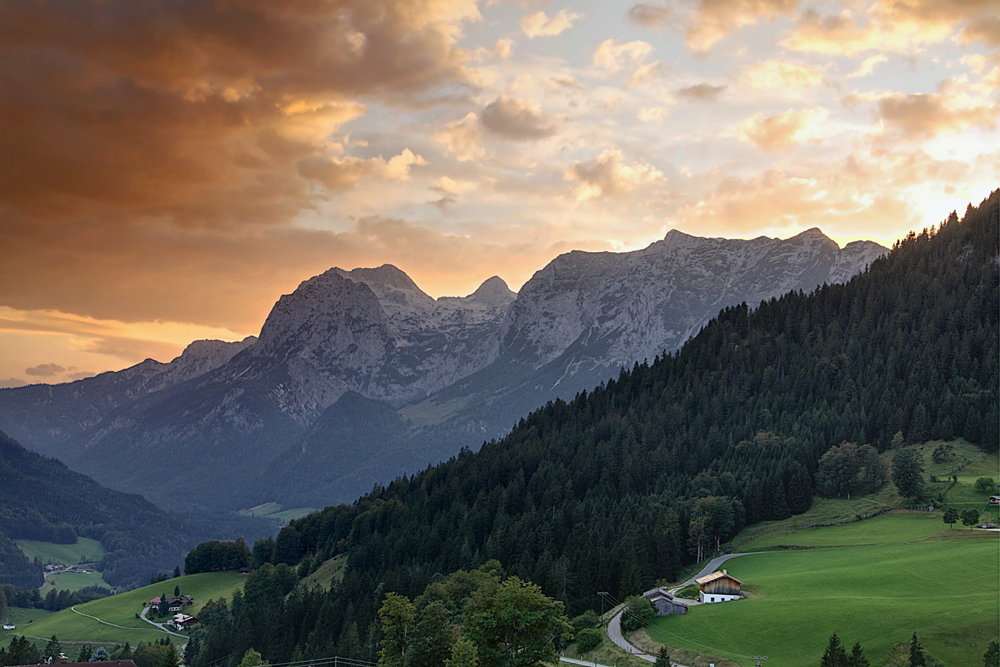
point(719, 587)
point(665, 603)
point(8, 625)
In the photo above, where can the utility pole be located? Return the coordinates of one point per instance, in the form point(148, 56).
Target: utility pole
point(602, 594)
point(759, 659)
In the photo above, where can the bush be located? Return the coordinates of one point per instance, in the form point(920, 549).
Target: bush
point(985, 485)
point(638, 612)
point(588, 619)
point(588, 639)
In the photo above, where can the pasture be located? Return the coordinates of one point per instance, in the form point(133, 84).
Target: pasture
point(74, 581)
point(121, 610)
point(85, 550)
point(915, 575)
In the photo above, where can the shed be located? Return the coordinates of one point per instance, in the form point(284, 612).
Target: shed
point(665, 603)
point(8, 625)
point(719, 587)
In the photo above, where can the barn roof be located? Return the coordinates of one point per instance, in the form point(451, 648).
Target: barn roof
point(714, 576)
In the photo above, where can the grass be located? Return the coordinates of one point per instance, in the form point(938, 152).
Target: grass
point(74, 581)
point(896, 527)
point(331, 570)
point(23, 618)
point(825, 511)
point(917, 575)
point(122, 609)
point(84, 551)
point(273, 510)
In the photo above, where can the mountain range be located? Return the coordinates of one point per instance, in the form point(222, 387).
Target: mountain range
point(359, 376)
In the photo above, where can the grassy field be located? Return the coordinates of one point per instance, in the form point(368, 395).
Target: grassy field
point(917, 575)
point(121, 610)
point(74, 581)
point(897, 527)
point(274, 510)
point(84, 551)
point(330, 571)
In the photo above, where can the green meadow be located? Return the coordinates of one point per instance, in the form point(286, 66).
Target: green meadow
point(121, 610)
point(274, 510)
point(331, 570)
point(84, 551)
point(74, 581)
point(875, 581)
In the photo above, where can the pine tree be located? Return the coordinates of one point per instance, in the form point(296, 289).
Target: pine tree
point(917, 656)
point(857, 657)
point(835, 655)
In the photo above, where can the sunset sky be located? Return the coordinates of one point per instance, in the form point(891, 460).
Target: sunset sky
point(169, 169)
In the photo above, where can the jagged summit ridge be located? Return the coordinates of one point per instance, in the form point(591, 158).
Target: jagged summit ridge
point(462, 367)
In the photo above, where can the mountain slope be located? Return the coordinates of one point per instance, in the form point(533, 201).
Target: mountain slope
point(50, 416)
point(41, 499)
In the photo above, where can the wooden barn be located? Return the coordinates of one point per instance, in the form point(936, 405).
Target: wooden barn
point(719, 587)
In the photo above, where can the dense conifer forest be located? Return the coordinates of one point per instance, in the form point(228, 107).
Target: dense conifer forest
point(622, 486)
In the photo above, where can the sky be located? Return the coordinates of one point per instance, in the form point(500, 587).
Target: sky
point(168, 169)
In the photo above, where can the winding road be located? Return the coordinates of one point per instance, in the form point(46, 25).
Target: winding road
point(614, 629)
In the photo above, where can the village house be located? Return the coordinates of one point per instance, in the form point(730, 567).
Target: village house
point(8, 625)
point(181, 621)
point(719, 587)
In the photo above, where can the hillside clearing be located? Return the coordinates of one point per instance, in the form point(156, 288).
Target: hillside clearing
point(878, 594)
point(84, 550)
point(121, 610)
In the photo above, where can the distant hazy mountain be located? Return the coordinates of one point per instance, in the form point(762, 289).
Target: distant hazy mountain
point(41, 499)
point(358, 376)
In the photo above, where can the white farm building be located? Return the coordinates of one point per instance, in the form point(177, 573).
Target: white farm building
point(719, 587)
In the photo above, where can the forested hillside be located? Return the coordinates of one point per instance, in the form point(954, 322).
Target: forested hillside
point(42, 499)
point(619, 487)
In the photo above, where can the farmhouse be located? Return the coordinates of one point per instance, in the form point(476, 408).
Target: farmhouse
point(180, 621)
point(719, 587)
point(994, 500)
point(8, 625)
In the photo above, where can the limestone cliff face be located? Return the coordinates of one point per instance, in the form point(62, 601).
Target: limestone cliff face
point(631, 306)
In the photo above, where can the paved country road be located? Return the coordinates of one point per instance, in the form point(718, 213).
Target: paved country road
point(158, 626)
point(615, 624)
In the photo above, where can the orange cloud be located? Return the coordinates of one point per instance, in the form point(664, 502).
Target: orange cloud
point(540, 25)
point(200, 112)
point(782, 131)
point(781, 76)
point(607, 175)
point(708, 21)
point(609, 55)
point(516, 119)
point(896, 26)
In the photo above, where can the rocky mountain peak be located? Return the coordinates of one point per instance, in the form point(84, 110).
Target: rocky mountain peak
point(390, 284)
point(493, 292)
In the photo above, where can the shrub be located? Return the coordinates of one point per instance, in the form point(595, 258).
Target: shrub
point(985, 485)
point(588, 639)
